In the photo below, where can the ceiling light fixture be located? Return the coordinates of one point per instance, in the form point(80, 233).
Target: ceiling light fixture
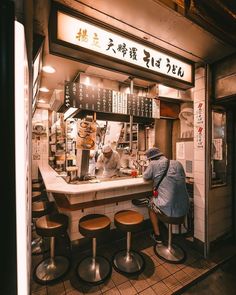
point(48, 69)
point(87, 81)
point(43, 89)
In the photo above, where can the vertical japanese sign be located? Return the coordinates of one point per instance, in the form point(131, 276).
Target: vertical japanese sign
point(103, 41)
point(199, 108)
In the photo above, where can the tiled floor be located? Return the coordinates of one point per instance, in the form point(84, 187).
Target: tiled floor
point(221, 281)
point(159, 277)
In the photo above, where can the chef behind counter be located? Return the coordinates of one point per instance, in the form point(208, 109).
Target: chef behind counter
point(109, 161)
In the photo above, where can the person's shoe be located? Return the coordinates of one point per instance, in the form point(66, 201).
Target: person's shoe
point(156, 238)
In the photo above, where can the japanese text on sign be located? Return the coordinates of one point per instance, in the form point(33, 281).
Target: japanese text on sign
point(97, 99)
point(86, 35)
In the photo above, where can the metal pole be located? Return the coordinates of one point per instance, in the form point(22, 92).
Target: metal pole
point(94, 253)
point(128, 241)
point(52, 252)
point(169, 236)
point(52, 247)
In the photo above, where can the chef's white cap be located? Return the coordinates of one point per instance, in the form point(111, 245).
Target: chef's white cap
point(106, 148)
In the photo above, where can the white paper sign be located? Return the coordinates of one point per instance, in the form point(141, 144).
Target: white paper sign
point(217, 149)
point(180, 150)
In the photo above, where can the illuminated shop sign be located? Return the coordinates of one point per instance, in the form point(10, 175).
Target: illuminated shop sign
point(97, 39)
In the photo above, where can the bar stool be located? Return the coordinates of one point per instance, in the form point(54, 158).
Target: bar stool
point(36, 196)
point(170, 252)
point(128, 261)
point(94, 269)
point(36, 186)
point(37, 180)
point(39, 209)
point(54, 267)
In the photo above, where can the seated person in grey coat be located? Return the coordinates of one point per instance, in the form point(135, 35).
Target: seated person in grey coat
point(172, 199)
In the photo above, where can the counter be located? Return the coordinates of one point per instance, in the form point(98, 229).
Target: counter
point(105, 197)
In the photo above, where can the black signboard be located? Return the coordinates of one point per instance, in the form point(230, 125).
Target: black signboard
point(88, 98)
point(139, 106)
point(97, 99)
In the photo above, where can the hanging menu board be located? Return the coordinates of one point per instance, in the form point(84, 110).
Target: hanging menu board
point(139, 106)
point(109, 101)
point(88, 98)
point(119, 102)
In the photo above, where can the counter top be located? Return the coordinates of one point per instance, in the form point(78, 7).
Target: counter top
point(56, 184)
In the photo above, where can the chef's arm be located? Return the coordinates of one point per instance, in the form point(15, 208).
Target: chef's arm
point(99, 164)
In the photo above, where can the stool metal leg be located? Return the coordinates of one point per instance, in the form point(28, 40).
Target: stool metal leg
point(170, 253)
point(39, 245)
point(52, 268)
point(94, 269)
point(169, 236)
point(128, 261)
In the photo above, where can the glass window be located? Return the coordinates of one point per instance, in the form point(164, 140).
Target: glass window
point(219, 148)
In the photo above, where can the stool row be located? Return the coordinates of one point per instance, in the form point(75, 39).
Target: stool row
point(92, 269)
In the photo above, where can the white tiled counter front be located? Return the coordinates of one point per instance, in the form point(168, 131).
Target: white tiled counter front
point(77, 194)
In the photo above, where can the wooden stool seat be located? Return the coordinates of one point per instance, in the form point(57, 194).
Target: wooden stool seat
point(128, 220)
point(42, 208)
point(52, 225)
point(93, 225)
point(171, 220)
point(36, 180)
point(37, 186)
point(36, 196)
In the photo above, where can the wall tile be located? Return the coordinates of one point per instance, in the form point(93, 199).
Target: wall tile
point(199, 95)
point(199, 178)
point(199, 235)
point(199, 166)
point(199, 201)
point(199, 155)
point(199, 190)
point(199, 213)
point(200, 72)
point(199, 83)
